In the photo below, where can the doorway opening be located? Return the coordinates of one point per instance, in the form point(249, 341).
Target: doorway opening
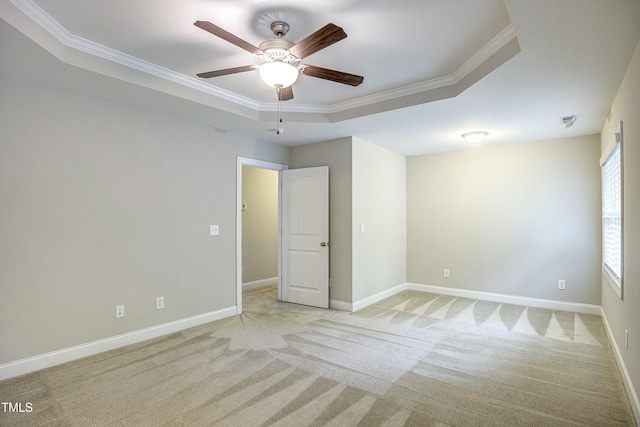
point(242, 163)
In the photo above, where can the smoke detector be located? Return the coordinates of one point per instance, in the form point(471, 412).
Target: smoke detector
point(568, 121)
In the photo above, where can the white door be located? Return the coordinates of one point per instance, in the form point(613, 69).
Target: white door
point(304, 273)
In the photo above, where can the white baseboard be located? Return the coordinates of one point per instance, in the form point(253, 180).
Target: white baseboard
point(574, 307)
point(626, 378)
point(364, 302)
point(260, 283)
point(464, 293)
point(35, 363)
point(340, 305)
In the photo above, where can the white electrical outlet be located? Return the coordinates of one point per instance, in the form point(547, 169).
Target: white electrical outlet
point(119, 311)
point(562, 285)
point(446, 272)
point(159, 303)
point(214, 230)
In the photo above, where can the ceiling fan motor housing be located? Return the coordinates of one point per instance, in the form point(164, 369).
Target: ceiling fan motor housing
point(278, 50)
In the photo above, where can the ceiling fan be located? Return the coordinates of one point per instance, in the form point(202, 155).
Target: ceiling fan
point(280, 59)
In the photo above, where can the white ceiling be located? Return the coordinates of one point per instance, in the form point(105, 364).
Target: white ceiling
point(433, 69)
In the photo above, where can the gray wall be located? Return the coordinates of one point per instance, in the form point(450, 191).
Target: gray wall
point(338, 156)
point(511, 219)
point(104, 205)
point(625, 314)
point(367, 186)
point(259, 224)
point(379, 202)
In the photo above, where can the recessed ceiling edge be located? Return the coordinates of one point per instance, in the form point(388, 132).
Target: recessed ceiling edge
point(66, 47)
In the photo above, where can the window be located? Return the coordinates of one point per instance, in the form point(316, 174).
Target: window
point(612, 259)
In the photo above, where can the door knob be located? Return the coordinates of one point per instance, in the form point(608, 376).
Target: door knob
point(323, 244)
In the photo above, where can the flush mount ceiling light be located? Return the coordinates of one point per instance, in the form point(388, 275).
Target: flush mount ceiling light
point(475, 137)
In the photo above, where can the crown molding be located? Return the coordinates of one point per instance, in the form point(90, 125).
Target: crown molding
point(496, 44)
point(94, 50)
point(68, 40)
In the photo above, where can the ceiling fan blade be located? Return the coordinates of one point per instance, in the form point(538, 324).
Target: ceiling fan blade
point(226, 71)
point(325, 36)
point(285, 94)
point(333, 75)
point(225, 35)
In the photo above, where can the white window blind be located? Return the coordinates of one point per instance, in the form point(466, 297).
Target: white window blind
point(612, 214)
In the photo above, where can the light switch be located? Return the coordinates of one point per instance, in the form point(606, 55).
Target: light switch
point(214, 230)
point(361, 228)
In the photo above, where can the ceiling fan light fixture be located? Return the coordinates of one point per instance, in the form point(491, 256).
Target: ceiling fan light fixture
point(278, 74)
point(475, 137)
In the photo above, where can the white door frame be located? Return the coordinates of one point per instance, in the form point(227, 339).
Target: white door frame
point(245, 161)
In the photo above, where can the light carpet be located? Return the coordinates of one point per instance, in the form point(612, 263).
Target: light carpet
point(414, 359)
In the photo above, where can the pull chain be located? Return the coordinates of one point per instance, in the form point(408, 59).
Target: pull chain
point(279, 129)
